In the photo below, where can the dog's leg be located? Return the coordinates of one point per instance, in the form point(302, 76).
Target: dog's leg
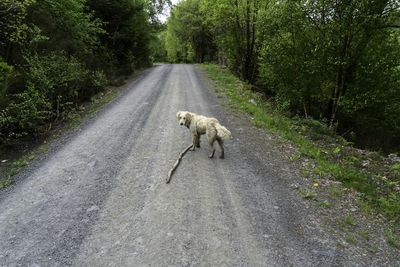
point(211, 133)
point(198, 141)
point(194, 142)
point(221, 145)
point(211, 142)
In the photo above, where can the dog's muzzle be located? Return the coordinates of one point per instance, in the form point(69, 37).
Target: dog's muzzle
point(181, 123)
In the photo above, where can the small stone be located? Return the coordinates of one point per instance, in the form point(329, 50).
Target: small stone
point(276, 207)
point(92, 163)
point(365, 163)
point(4, 160)
point(93, 208)
point(326, 253)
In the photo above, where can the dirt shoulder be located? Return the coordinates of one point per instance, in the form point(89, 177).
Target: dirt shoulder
point(360, 235)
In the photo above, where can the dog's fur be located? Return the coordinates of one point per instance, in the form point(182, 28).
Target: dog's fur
point(198, 125)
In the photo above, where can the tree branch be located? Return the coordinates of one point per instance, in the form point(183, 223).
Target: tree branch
point(176, 164)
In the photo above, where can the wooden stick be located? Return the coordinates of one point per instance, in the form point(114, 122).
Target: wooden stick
point(176, 164)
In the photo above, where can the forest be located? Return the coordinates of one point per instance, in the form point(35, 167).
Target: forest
point(337, 62)
point(54, 55)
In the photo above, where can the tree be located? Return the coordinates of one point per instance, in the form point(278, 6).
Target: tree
point(320, 56)
point(235, 29)
point(59, 53)
point(12, 25)
point(186, 25)
point(128, 32)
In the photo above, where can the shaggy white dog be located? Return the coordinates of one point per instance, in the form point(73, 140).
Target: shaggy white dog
point(198, 125)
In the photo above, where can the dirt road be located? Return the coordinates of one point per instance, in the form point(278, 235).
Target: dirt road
point(100, 198)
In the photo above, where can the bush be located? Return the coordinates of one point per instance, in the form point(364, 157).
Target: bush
point(59, 78)
point(5, 72)
point(26, 114)
point(96, 82)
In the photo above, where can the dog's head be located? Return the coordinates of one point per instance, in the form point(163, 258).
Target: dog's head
point(184, 117)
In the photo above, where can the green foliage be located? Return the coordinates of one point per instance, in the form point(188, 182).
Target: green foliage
point(235, 25)
point(350, 220)
point(393, 239)
point(379, 194)
point(158, 49)
point(57, 77)
point(56, 54)
point(307, 194)
point(189, 37)
point(26, 114)
point(12, 22)
point(79, 32)
point(335, 60)
point(5, 71)
point(128, 33)
point(5, 183)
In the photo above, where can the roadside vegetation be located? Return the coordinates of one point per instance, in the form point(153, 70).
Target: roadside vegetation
point(373, 180)
point(59, 60)
point(55, 55)
point(337, 62)
point(30, 151)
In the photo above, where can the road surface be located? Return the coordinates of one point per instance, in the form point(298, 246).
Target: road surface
point(100, 198)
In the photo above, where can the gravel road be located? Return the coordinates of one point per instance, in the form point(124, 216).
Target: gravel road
point(100, 198)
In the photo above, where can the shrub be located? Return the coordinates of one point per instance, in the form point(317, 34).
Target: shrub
point(26, 113)
point(58, 77)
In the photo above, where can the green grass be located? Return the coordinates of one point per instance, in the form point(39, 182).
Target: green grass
point(76, 116)
point(336, 192)
point(350, 220)
point(393, 239)
point(331, 162)
point(23, 163)
point(43, 148)
point(20, 163)
point(364, 235)
point(5, 183)
point(351, 239)
point(325, 204)
point(307, 194)
point(13, 172)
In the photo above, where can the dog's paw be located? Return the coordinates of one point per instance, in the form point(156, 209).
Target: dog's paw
point(210, 156)
point(222, 157)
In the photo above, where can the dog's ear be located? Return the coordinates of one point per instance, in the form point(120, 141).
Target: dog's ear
point(178, 114)
point(189, 116)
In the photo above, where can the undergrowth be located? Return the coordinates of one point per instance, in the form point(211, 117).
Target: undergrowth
point(334, 157)
point(73, 119)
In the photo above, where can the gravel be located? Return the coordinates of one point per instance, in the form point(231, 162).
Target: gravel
point(98, 197)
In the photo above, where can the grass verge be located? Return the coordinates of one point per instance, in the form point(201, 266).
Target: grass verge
point(334, 158)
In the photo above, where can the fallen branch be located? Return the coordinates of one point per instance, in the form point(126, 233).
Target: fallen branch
point(176, 164)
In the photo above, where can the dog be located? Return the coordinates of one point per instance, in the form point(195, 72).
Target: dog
point(198, 125)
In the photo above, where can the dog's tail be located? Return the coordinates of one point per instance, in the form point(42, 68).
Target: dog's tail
point(222, 132)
